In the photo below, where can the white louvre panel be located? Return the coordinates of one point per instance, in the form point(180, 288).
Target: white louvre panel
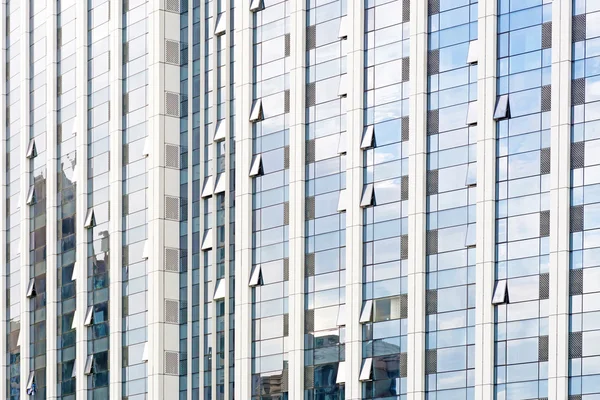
point(257, 111)
point(256, 5)
point(343, 89)
point(207, 190)
point(171, 156)
point(171, 363)
point(171, 311)
point(145, 353)
point(31, 196)
point(89, 363)
point(472, 113)
point(207, 241)
point(74, 274)
point(342, 143)
point(501, 293)
point(256, 167)
point(342, 201)
point(74, 323)
point(220, 131)
point(172, 5)
point(367, 197)
point(255, 278)
point(89, 316)
point(341, 374)
point(171, 259)
point(172, 208)
point(341, 317)
point(90, 219)
point(31, 149)
point(343, 32)
point(221, 25)
point(367, 312)
point(367, 139)
point(365, 372)
point(146, 251)
point(31, 288)
point(220, 290)
point(220, 185)
point(172, 52)
point(473, 55)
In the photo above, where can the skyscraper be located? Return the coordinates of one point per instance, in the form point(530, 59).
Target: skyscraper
point(300, 199)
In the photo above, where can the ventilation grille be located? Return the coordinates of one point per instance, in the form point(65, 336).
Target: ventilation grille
point(406, 11)
point(125, 201)
point(172, 52)
point(404, 247)
point(575, 282)
point(579, 27)
point(431, 361)
point(309, 321)
point(310, 94)
point(286, 101)
point(544, 286)
point(543, 348)
point(171, 311)
point(405, 129)
point(59, 85)
point(404, 187)
point(545, 161)
point(432, 242)
point(545, 223)
point(577, 155)
point(286, 213)
point(125, 253)
point(431, 302)
point(576, 219)
point(171, 363)
point(546, 98)
point(171, 156)
point(403, 365)
point(311, 37)
point(287, 44)
point(405, 69)
point(172, 104)
point(125, 53)
point(575, 345)
point(433, 62)
point(547, 35)
point(171, 259)
point(310, 208)
point(172, 5)
point(403, 306)
point(286, 269)
point(433, 122)
point(578, 91)
point(309, 265)
point(172, 208)
point(286, 157)
point(310, 151)
point(432, 181)
point(309, 377)
point(125, 6)
point(286, 325)
point(433, 7)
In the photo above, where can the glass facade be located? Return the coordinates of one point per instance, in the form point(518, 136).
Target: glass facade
point(270, 201)
point(584, 287)
point(385, 199)
point(66, 214)
point(523, 199)
point(451, 199)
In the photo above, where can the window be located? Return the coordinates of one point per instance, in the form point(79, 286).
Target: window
point(257, 111)
point(367, 139)
point(501, 293)
point(367, 312)
point(368, 197)
point(256, 277)
point(365, 372)
point(220, 290)
point(256, 168)
point(208, 240)
point(502, 108)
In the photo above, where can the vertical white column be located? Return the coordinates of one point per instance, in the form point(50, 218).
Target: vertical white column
point(243, 202)
point(417, 208)
point(486, 201)
point(560, 190)
point(116, 198)
point(297, 139)
point(51, 200)
point(354, 187)
point(24, 185)
point(81, 188)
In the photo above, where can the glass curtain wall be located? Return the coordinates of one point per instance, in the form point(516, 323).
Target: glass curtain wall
point(385, 199)
point(523, 198)
point(451, 198)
